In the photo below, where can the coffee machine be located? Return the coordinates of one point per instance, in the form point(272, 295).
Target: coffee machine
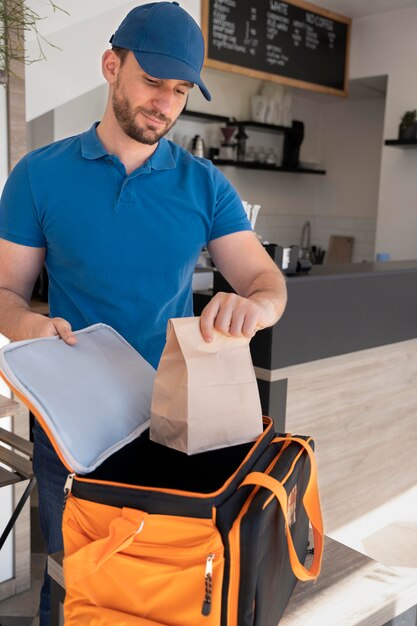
point(227, 150)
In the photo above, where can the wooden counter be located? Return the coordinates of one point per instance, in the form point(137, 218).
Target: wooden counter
point(352, 590)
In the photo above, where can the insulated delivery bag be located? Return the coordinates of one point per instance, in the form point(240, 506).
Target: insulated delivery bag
point(153, 537)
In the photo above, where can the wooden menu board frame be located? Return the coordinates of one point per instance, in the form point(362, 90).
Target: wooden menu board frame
point(270, 76)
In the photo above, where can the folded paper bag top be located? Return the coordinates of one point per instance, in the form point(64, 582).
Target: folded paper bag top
point(205, 395)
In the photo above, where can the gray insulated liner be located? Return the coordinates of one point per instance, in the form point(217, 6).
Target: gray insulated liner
point(95, 397)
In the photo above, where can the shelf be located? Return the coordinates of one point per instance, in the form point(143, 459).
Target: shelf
point(204, 117)
point(270, 168)
point(401, 143)
point(259, 126)
point(210, 118)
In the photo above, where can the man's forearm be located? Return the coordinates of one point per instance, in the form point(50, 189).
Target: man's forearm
point(258, 306)
point(271, 289)
point(16, 319)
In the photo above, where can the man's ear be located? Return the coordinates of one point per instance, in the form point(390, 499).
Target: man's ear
point(110, 65)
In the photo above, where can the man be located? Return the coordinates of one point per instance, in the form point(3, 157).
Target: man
point(119, 216)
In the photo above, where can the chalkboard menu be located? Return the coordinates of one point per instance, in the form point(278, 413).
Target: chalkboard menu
point(292, 42)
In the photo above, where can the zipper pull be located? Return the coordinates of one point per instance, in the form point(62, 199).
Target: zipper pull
point(208, 581)
point(68, 487)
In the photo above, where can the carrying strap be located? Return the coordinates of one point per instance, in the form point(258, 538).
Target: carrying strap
point(122, 532)
point(311, 502)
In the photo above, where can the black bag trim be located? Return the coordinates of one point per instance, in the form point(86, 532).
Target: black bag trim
point(160, 500)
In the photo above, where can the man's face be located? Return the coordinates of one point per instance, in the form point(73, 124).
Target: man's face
point(146, 107)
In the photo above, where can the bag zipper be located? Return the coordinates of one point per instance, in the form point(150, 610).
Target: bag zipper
point(208, 586)
point(68, 487)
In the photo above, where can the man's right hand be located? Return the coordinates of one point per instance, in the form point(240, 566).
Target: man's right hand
point(19, 268)
point(36, 325)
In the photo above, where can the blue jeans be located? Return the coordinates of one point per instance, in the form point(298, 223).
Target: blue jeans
point(50, 475)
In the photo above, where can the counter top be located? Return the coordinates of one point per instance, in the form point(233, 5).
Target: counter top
point(344, 270)
point(355, 269)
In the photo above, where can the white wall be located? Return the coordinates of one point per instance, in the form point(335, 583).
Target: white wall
point(347, 202)
point(40, 131)
point(387, 44)
point(79, 114)
point(352, 143)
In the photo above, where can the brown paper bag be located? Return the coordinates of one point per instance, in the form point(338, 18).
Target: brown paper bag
point(205, 395)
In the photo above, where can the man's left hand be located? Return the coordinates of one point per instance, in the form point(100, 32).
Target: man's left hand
point(235, 316)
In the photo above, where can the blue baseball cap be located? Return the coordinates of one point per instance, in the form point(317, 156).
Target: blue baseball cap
point(166, 42)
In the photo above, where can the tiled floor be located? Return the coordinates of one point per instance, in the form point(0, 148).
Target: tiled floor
point(387, 534)
point(22, 610)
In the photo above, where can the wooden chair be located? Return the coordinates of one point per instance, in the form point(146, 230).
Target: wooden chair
point(18, 467)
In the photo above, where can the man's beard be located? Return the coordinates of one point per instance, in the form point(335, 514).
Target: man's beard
point(126, 116)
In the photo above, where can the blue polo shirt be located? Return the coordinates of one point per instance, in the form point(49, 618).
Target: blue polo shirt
point(119, 249)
